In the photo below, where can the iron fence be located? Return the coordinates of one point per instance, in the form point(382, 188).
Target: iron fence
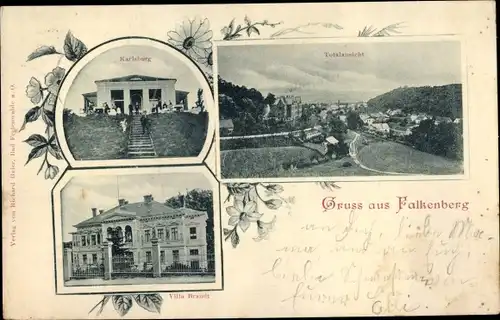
point(88, 271)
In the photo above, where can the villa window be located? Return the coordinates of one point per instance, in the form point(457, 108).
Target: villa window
point(175, 254)
point(167, 236)
point(161, 234)
point(192, 233)
point(94, 241)
point(162, 256)
point(117, 99)
point(84, 241)
point(128, 234)
point(84, 258)
point(147, 235)
point(148, 257)
point(174, 233)
point(154, 95)
point(193, 252)
point(109, 232)
point(94, 258)
point(119, 233)
point(99, 238)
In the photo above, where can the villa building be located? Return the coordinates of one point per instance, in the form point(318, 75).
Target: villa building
point(136, 90)
point(286, 108)
point(180, 232)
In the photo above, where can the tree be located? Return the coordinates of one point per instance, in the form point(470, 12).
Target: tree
point(200, 104)
point(117, 247)
point(354, 121)
point(270, 99)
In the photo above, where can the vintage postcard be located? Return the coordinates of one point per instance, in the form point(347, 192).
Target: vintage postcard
point(261, 160)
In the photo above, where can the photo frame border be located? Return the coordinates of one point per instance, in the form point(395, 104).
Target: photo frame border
point(326, 40)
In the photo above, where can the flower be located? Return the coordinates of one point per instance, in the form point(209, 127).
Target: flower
point(51, 171)
point(53, 80)
point(263, 228)
point(34, 90)
point(243, 214)
point(207, 59)
point(192, 37)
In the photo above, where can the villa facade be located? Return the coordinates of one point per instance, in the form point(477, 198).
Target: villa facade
point(136, 90)
point(180, 233)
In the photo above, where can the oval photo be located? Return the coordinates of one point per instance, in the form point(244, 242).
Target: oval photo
point(135, 100)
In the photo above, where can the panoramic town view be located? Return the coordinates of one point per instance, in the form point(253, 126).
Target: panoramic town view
point(330, 109)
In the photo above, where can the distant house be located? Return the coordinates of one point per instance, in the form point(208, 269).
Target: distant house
point(369, 121)
point(395, 112)
point(331, 140)
point(343, 118)
point(381, 127)
point(439, 120)
point(226, 126)
point(364, 117)
point(286, 108)
point(457, 121)
point(323, 114)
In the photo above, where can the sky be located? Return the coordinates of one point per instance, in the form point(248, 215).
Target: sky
point(102, 192)
point(304, 69)
point(107, 65)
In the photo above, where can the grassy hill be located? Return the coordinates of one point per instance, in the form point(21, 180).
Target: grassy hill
point(395, 157)
point(95, 137)
point(179, 134)
point(444, 101)
point(100, 137)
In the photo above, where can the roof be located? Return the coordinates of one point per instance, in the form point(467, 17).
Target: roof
point(331, 140)
point(90, 94)
point(226, 123)
point(134, 77)
point(138, 210)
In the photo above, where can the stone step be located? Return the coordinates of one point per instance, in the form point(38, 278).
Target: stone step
point(142, 153)
point(141, 147)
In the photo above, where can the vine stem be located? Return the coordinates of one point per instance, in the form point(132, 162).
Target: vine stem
point(258, 194)
point(230, 233)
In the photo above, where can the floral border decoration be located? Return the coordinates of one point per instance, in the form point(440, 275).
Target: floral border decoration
point(194, 38)
point(44, 99)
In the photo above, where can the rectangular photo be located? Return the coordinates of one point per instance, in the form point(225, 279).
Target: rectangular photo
point(341, 108)
point(121, 231)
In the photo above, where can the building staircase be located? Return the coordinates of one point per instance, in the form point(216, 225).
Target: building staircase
point(140, 145)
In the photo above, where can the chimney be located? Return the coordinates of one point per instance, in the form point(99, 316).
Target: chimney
point(101, 211)
point(94, 212)
point(148, 198)
point(122, 202)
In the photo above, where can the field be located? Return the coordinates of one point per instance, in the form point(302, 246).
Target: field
point(395, 157)
point(275, 162)
point(178, 134)
point(95, 137)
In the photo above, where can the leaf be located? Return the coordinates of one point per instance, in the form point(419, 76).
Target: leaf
point(274, 204)
point(122, 304)
point(36, 152)
point(274, 188)
point(54, 152)
point(36, 140)
point(48, 117)
point(231, 26)
point(30, 116)
point(150, 302)
point(74, 48)
point(227, 231)
point(42, 51)
point(235, 238)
